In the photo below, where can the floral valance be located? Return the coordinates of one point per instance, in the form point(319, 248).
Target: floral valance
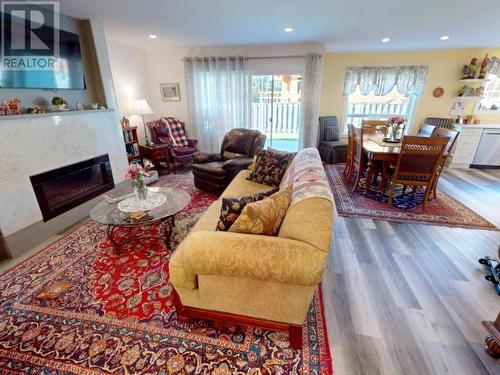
point(409, 79)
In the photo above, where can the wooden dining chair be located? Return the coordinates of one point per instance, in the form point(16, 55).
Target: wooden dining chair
point(452, 135)
point(418, 161)
point(349, 166)
point(371, 126)
point(358, 155)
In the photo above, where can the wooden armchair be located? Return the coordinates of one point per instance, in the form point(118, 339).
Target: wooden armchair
point(160, 134)
point(418, 162)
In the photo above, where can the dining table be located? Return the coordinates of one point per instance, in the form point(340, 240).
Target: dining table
point(377, 150)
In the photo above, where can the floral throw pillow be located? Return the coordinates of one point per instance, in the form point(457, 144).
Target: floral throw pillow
point(265, 216)
point(232, 207)
point(269, 167)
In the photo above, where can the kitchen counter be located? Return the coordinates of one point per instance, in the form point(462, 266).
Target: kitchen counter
point(477, 146)
point(477, 126)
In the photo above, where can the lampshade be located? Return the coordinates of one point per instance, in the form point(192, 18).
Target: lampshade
point(141, 107)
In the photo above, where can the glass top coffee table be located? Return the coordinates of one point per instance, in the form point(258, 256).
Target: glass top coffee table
point(164, 216)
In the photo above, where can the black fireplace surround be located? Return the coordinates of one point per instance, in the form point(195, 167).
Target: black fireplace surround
point(62, 189)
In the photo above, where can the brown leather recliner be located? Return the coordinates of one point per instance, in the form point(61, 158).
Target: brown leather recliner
point(213, 172)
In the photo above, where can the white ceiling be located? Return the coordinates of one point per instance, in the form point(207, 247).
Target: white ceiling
point(343, 25)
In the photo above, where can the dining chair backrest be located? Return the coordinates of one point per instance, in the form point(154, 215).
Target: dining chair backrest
point(426, 130)
point(452, 134)
point(371, 126)
point(419, 157)
point(350, 142)
point(357, 143)
point(439, 122)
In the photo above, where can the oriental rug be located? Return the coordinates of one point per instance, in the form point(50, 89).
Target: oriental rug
point(76, 307)
point(407, 207)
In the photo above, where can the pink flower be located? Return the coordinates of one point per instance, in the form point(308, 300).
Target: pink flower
point(134, 172)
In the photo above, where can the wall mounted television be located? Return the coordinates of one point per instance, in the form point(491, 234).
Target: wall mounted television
point(68, 74)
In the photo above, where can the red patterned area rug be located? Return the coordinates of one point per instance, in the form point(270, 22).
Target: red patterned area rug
point(78, 308)
point(445, 210)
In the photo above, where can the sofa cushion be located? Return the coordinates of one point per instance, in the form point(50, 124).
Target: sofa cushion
point(185, 150)
point(264, 216)
point(269, 167)
point(331, 133)
point(213, 167)
point(333, 144)
point(232, 207)
point(240, 186)
point(228, 155)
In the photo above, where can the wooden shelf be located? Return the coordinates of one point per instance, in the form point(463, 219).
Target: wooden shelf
point(467, 97)
point(473, 80)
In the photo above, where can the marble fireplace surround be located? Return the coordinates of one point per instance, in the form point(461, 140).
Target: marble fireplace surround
point(32, 144)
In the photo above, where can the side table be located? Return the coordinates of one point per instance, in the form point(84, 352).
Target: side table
point(156, 153)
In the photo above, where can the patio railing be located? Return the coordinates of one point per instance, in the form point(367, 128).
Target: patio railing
point(285, 118)
point(358, 111)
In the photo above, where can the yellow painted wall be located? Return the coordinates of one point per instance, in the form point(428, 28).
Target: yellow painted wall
point(445, 68)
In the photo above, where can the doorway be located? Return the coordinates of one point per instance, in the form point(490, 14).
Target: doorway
point(275, 109)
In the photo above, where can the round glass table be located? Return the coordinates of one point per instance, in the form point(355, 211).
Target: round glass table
point(164, 216)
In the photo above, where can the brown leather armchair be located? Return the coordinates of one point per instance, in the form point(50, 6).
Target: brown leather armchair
point(213, 172)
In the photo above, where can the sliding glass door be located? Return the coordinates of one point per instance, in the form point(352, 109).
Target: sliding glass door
point(275, 108)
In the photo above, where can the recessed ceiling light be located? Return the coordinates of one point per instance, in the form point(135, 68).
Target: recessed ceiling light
point(288, 29)
point(445, 37)
point(153, 36)
point(385, 40)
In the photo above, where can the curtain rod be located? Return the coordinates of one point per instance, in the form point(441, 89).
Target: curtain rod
point(251, 57)
point(275, 57)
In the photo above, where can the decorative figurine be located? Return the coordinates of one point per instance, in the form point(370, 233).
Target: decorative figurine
point(469, 71)
point(125, 122)
point(484, 67)
point(36, 110)
point(11, 107)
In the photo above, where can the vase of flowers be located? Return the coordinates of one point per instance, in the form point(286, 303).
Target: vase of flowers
point(394, 128)
point(136, 174)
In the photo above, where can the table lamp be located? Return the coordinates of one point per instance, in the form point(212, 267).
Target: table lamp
point(141, 107)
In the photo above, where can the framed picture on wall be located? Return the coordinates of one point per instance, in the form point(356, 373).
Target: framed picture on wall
point(170, 92)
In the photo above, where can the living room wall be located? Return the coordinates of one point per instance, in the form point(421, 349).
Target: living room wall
point(129, 68)
point(445, 68)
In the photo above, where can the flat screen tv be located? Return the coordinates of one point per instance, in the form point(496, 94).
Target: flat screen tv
point(68, 73)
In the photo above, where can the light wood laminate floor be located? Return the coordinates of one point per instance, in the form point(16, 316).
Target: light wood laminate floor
point(409, 298)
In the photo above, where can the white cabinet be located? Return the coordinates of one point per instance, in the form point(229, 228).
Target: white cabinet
point(465, 147)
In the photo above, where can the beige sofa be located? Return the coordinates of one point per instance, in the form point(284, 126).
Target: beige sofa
point(254, 279)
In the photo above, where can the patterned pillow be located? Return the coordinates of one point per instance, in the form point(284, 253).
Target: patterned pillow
point(265, 216)
point(331, 133)
point(176, 131)
point(269, 167)
point(232, 207)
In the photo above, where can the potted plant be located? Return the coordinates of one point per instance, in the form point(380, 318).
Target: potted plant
point(59, 103)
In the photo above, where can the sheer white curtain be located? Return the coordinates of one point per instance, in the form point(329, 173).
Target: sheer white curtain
point(308, 131)
point(218, 98)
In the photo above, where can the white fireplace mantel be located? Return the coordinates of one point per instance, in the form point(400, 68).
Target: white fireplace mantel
point(34, 144)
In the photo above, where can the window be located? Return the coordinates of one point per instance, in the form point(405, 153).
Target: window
point(360, 107)
point(490, 101)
